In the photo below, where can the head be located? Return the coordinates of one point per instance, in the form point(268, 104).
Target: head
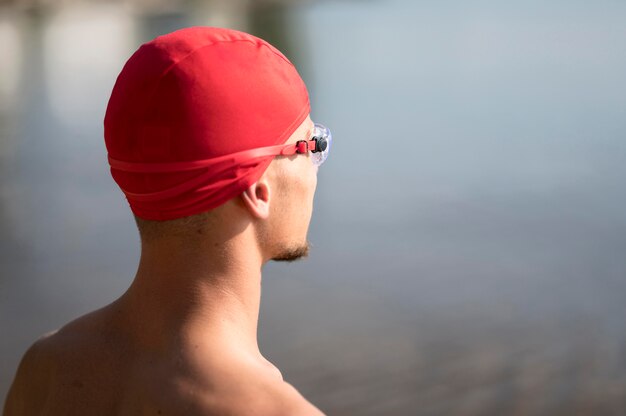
point(201, 131)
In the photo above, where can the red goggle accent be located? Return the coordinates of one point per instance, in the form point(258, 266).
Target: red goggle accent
point(303, 146)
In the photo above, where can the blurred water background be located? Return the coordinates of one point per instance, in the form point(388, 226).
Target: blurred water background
point(469, 232)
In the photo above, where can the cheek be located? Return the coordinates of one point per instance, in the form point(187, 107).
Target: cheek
point(312, 188)
point(294, 199)
point(308, 196)
point(302, 197)
point(300, 208)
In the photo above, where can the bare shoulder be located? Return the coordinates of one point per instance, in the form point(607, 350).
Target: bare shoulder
point(29, 385)
point(269, 398)
point(293, 403)
point(36, 372)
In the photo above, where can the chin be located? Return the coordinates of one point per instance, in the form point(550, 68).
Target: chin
point(293, 253)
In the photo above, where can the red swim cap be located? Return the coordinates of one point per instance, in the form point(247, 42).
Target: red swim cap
point(190, 98)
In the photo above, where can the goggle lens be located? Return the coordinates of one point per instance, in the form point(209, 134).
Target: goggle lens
point(323, 140)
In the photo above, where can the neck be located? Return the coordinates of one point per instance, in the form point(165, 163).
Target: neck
point(190, 291)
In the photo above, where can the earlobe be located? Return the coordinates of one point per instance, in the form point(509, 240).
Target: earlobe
point(257, 199)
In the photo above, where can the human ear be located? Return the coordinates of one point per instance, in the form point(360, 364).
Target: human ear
point(257, 199)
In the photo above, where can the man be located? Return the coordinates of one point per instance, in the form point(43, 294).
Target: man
point(209, 136)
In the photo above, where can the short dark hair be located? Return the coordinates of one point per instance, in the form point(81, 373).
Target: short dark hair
point(150, 230)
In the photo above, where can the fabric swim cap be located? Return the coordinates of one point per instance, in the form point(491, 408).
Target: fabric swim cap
point(190, 98)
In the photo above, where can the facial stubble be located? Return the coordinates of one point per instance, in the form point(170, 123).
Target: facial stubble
point(293, 254)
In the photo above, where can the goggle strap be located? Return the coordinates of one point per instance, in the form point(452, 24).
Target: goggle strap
point(303, 146)
point(155, 167)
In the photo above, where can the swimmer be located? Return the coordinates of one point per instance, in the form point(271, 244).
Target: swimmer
point(209, 136)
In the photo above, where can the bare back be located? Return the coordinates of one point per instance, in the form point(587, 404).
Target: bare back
point(86, 368)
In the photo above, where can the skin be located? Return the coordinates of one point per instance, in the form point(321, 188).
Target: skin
point(183, 338)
